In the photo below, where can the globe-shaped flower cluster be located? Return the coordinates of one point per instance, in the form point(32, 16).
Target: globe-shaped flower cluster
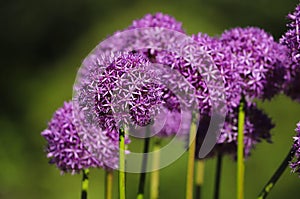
point(66, 149)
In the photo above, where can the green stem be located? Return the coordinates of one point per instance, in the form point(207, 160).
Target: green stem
point(268, 187)
point(84, 183)
point(141, 191)
point(154, 191)
point(199, 177)
point(218, 176)
point(122, 194)
point(109, 184)
point(240, 150)
point(191, 162)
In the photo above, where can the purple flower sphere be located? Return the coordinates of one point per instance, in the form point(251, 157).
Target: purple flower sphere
point(66, 149)
point(257, 60)
point(120, 93)
point(291, 39)
point(295, 163)
point(222, 59)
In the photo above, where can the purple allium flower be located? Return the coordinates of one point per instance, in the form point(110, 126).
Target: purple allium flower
point(157, 20)
point(120, 93)
point(291, 39)
point(195, 64)
point(257, 128)
point(222, 59)
point(295, 163)
point(144, 35)
point(257, 60)
point(66, 149)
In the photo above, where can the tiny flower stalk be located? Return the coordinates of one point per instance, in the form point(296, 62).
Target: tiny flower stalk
point(141, 190)
point(122, 194)
point(199, 177)
point(191, 161)
point(108, 184)
point(270, 184)
point(85, 183)
point(154, 190)
point(240, 150)
point(218, 176)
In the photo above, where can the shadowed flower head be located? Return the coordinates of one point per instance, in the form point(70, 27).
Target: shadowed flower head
point(257, 60)
point(67, 151)
point(291, 39)
point(257, 128)
point(295, 163)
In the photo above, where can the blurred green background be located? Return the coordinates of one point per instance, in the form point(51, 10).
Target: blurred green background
point(42, 46)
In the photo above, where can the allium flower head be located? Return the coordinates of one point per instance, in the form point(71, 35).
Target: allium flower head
point(157, 20)
point(64, 145)
point(222, 59)
point(257, 60)
point(291, 39)
point(295, 163)
point(195, 64)
point(124, 92)
point(256, 129)
point(66, 149)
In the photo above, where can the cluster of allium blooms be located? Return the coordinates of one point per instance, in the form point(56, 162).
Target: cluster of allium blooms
point(158, 46)
point(295, 163)
point(291, 39)
point(66, 149)
point(257, 60)
point(116, 89)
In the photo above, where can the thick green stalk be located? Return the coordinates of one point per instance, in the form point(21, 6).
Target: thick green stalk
point(141, 191)
point(122, 194)
point(154, 190)
point(84, 183)
point(270, 184)
point(240, 151)
point(191, 162)
point(218, 176)
point(199, 177)
point(109, 184)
